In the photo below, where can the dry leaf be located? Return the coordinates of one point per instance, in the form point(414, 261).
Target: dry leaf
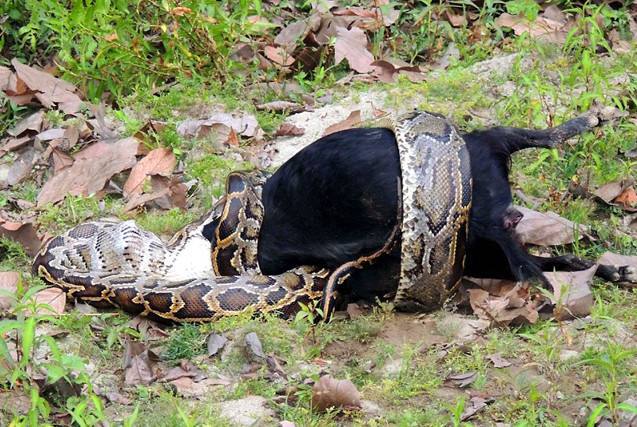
point(186, 369)
point(92, 168)
point(5, 78)
point(49, 134)
point(61, 160)
point(463, 380)
point(278, 55)
point(48, 90)
point(180, 11)
point(189, 388)
point(331, 393)
point(8, 282)
point(281, 106)
point(456, 20)
point(23, 233)
point(608, 192)
point(385, 71)
point(546, 229)
point(627, 199)
point(149, 329)
point(215, 343)
point(254, 347)
point(503, 310)
point(139, 199)
point(139, 363)
point(287, 129)
point(53, 298)
point(13, 144)
point(543, 27)
point(475, 405)
point(22, 166)
point(352, 46)
point(351, 121)
point(233, 139)
point(498, 361)
point(160, 161)
point(579, 298)
point(296, 31)
point(32, 122)
point(354, 311)
point(244, 124)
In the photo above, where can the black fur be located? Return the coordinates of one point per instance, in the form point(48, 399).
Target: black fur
point(337, 199)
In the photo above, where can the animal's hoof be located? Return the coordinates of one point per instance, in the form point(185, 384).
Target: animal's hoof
point(627, 274)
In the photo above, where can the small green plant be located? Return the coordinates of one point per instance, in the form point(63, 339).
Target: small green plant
point(185, 342)
point(610, 363)
point(85, 408)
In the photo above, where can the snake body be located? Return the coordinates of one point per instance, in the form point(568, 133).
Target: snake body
point(210, 269)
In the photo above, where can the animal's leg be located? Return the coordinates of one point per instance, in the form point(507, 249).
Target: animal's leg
point(520, 139)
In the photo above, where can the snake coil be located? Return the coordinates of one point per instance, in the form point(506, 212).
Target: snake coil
point(191, 278)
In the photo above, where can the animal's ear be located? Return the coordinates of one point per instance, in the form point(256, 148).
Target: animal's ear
point(520, 139)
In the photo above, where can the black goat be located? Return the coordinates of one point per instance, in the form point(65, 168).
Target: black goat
point(338, 199)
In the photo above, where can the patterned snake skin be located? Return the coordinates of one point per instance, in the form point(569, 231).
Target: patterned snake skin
point(108, 263)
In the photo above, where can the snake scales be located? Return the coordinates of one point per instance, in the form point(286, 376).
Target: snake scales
point(110, 263)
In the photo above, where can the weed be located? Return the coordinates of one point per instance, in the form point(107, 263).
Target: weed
point(185, 342)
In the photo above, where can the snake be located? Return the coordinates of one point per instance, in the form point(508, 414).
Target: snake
point(209, 269)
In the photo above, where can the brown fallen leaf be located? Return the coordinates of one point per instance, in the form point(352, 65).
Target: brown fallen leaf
point(160, 161)
point(619, 45)
point(47, 89)
point(547, 229)
point(22, 166)
point(610, 191)
point(475, 405)
point(53, 301)
point(281, 106)
point(185, 369)
point(579, 298)
point(354, 311)
point(32, 123)
point(352, 46)
point(92, 168)
point(5, 77)
point(297, 31)
point(498, 361)
point(9, 281)
point(215, 343)
point(139, 364)
point(50, 134)
point(542, 28)
point(244, 124)
point(189, 388)
point(137, 200)
point(456, 20)
point(278, 55)
point(351, 121)
point(463, 380)
point(149, 329)
point(254, 347)
point(332, 393)
point(627, 199)
point(287, 129)
point(23, 232)
point(11, 144)
point(513, 308)
point(61, 160)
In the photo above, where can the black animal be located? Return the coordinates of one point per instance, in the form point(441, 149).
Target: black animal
point(338, 199)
